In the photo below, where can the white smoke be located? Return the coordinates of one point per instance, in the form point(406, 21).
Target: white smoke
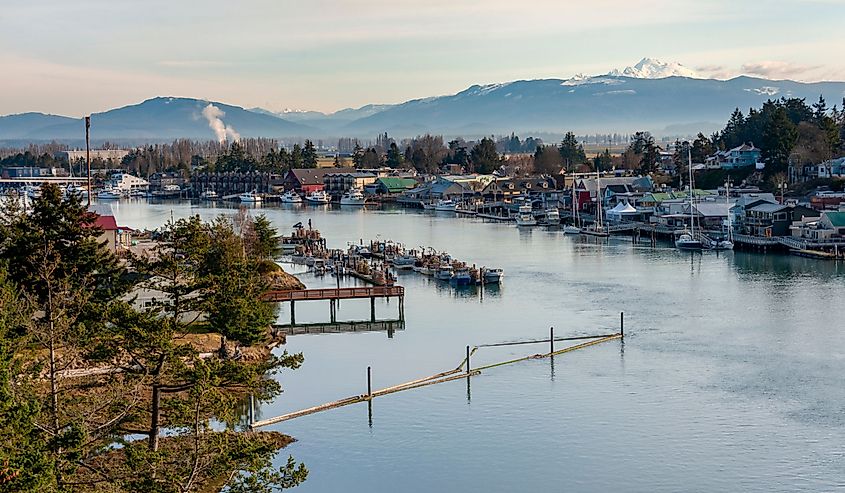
point(215, 115)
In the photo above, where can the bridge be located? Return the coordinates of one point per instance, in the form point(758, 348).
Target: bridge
point(336, 294)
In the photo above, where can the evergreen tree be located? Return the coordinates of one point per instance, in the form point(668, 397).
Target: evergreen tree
point(571, 151)
point(309, 155)
point(779, 136)
point(547, 160)
point(395, 158)
point(295, 159)
point(484, 157)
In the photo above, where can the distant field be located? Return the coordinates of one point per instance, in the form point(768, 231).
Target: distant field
point(593, 149)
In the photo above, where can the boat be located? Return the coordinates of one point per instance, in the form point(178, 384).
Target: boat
point(290, 197)
point(353, 196)
point(250, 197)
point(108, 194)
point(461, 277)
point(443, 273)
point(573, 229)
point(597, 228)
point(552, 217)
point(318, 197)
point(727, 243)
point(137, 193)
point(404, 262)
point(446, 205)
point(428, 207)
point(209, 195)
point(492, 276)
point(525, 217)
point(690, 239)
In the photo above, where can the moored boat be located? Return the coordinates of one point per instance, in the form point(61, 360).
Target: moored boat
point(318, 197)
point(461, 277)
point(290, 197)
point(209, 195)
point(108, 194)
point(525, 217)
point(445, 205)
point(250, 197)
point(492, 276)
point(353, 196)
point(443, 273)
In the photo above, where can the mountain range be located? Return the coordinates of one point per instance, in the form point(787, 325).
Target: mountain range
point(665, 98)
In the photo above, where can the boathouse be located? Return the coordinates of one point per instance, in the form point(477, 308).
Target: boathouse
point(309, 180)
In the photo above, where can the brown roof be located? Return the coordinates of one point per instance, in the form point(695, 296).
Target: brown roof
point(314, 176)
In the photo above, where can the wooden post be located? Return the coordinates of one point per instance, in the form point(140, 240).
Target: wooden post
point(332, 311)
point(467, 360)
point(551, 339)
point(402, 308)
point(292, 313)
point(251, 409)
point(372, 309)
point(622, 324)
point(369, 383)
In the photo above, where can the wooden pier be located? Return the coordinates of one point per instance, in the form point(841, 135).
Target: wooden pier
point(389, 326)
point(333, 295)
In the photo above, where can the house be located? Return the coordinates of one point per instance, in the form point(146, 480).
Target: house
point(833, 221)
point(834, 168)
point(586, 188)
point(712, 216)
point(114, 236)
point(338, 183)
point(738, 157)
point(305, 181)
point(163, 181)
point(390, 185)
point(510, 189)
point(767, 219)
point(827, 199)
point(438, 189)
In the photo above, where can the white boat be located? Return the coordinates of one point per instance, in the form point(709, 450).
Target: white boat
point(444, 273)
point(404, 262)
point(353, 196)
point(571, 230)
point(597, 228)
point(318, 197)
point(108, 194)
point(250, 197)
point(525, 217)
point(492, 276)
point(209, 195)
point(690, 239)
point(73, 189)
point(446, 205)
point(138, 193)
point(552, 217)
point(291, 197)
point(428, 207)
point(723, 245)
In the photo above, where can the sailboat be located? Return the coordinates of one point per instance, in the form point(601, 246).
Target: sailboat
point(726, 244)
point(573, 229)
point(689, 240)
point(598, 227)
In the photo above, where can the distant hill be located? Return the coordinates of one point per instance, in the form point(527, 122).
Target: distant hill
point(157, 118)
point(664, 98)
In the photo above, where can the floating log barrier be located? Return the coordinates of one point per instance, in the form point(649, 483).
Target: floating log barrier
point(463, 370)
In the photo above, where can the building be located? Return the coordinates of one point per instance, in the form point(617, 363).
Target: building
point(161, 181)
point(32, 172)
point(390, 185)
point(338, 183)
point(305, 181)
point(510, 189)
point(738, 157)
point(108, 155)
point(438, 189)
point(768, 220)
point(829, 226)
point(127, 183)
point(115, 237)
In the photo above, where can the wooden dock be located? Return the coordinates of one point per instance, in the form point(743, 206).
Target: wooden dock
point(333, 295)
point(389, 326)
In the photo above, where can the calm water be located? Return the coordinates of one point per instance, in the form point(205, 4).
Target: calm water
point(730, 377)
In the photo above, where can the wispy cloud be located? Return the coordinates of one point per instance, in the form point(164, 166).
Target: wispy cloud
point(775, 69)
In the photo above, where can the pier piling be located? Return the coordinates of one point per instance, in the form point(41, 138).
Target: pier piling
point(551, 339)
point(622, 325)
point(468, 370)
point(292, 313)
point(369, 383)
point(372, 309)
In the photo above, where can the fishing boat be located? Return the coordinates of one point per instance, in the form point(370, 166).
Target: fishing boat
point(690, 239)
point(727, 243)
point(250, 197)
point(108, 194)
point(353, 196)
point(597, 228)
point(290, 197)
point(461, 277)
point(318, 197)
point(428, 206)
point(443, 273)
point(404, 262)
point(525, 217)
point(552, 217)
point(574, 228)
point(445, 205)
point(492, 276)
point(209, 195)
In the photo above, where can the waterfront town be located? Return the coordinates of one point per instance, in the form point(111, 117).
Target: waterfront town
point(732, 203)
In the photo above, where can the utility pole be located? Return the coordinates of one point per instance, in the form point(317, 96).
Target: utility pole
point(88, 155)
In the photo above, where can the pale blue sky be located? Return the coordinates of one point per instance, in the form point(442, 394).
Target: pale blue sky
point(83, 56)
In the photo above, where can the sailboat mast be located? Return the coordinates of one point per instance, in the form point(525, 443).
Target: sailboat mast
point(691, 192)
point(598, 199)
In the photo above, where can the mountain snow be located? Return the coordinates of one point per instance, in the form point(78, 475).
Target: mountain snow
point(651, 68)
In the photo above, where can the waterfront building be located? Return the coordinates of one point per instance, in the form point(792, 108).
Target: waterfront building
point(390, 185)
point(829, 226)
point(127, 183)
point(307, 180)
point(233, 182)
point(769, 220)
point(161, 181)
point(114, 156)
point(339, 183)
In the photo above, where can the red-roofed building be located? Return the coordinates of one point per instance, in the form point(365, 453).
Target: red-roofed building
point(114, 236)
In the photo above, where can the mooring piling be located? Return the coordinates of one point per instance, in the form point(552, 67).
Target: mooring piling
point(369, 383)
point(468, 360)
point(621, 325)
point(551, 339)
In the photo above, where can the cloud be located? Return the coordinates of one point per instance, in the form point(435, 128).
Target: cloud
point(773, 69)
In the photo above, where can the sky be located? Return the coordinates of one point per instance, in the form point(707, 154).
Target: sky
point(85, 56)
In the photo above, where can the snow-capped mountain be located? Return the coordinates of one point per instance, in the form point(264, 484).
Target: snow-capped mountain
point(651, 68)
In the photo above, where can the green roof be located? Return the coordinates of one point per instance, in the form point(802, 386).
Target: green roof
point(837, 219)
point(396, 183)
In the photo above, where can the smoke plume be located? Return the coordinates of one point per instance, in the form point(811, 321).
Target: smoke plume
point(215, 115)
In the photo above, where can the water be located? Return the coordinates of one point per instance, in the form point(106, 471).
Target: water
point(729, 378)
